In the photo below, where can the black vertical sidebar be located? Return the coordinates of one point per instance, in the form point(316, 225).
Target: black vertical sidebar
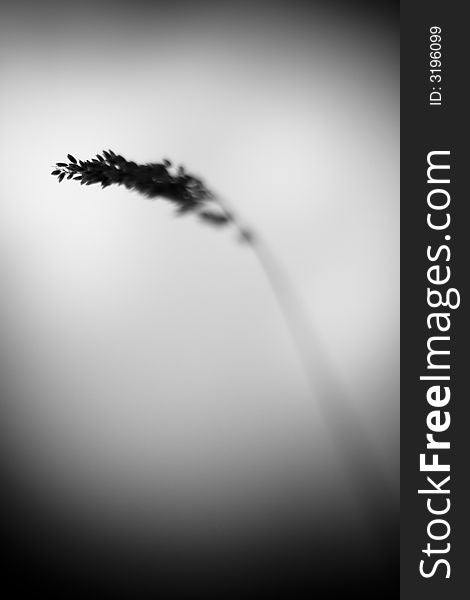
point(425, 128)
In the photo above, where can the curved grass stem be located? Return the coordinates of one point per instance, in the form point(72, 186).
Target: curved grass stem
point(351, 439)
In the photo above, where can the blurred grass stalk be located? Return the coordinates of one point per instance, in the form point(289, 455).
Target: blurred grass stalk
point(189, 195)
point(355, 452)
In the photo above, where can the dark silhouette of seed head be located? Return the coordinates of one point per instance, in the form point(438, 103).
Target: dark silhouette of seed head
point(187, 192)
point(154, 180)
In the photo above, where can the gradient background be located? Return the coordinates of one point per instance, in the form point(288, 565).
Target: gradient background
point(158, 432)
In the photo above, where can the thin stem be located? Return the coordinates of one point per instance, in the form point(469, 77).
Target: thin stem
point(293, 313)
point(351, 439)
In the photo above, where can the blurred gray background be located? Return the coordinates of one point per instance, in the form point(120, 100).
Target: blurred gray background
point(149, 380)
